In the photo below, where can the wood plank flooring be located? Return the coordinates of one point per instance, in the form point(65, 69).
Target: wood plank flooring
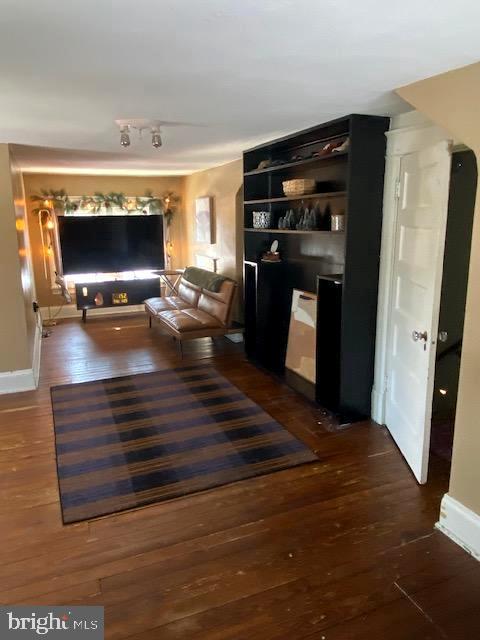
point(336, 550)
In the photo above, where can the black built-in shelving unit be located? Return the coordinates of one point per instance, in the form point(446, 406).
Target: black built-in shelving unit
point(341, 267)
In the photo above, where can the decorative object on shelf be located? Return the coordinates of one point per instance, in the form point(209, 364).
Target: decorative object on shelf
point(328, 148)
point(307, 220)
point(299, 187)
point(311, 219)
point(292, 219)
point(338, 222)
point(266, 164)
point(272, 255)
point(98, 299)
point(263, 164)
point(261, 219)
point(331, 147)
point(298, 158)
point(289, 221)
point(203, 220)
point(342, 147)
point(120, 298)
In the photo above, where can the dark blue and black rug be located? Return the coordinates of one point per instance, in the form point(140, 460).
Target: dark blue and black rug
point(127, 442)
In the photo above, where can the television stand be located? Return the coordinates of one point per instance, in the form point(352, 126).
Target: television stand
point(114, 293)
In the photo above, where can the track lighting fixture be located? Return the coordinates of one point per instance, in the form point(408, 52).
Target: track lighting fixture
point(124, 135)
point(127, 126)
point(156, 137)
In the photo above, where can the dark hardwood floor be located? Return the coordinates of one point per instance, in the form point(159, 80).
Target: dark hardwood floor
point(340, 549)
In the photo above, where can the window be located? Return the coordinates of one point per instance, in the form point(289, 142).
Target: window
point(90, 206)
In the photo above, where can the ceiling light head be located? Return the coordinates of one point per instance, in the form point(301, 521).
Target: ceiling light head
point(156, 137)
point(142, 124)
point(124, 135)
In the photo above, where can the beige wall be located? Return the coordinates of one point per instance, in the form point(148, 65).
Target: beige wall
point(224, 185)
point(17, 319)
point(79, 185)
point(452, 100)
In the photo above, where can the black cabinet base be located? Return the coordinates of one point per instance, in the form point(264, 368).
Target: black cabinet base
point(114, 293)
point(305, 387)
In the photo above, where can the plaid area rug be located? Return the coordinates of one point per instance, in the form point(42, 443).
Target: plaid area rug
point(130, 441)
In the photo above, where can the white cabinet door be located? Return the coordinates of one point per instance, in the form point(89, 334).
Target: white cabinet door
point(417, 273)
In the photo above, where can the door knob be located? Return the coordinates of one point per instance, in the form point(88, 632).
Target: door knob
point(419, 335)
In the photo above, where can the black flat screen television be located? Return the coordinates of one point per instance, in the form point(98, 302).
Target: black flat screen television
point(105, 244)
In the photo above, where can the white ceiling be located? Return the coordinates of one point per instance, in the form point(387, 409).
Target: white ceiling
point(246, 70)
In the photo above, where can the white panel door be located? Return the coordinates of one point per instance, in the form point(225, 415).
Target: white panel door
point(417, 274)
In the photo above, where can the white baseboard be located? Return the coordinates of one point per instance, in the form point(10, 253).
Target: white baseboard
point(378, 406)
point(71, 311)
point(460, 524)
point(235, 337)
point(24, 379)
point(37, 351)
point(15, 381)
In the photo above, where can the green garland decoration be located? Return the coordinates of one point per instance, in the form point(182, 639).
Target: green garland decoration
point(166, 204)
point(59, 199)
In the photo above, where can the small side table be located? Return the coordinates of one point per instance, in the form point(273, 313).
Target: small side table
point(170, 278)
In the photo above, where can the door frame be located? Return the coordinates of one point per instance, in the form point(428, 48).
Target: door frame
point(409, 133)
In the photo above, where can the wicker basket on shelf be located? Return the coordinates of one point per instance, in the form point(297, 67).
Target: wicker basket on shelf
point(299, 187)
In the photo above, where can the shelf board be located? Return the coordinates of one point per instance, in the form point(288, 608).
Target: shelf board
point(334, 128)
point(322, 140)
point(297, 163)
point(317, 231)
point(311, 196)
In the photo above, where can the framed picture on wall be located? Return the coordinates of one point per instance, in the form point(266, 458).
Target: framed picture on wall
point(203, 220)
